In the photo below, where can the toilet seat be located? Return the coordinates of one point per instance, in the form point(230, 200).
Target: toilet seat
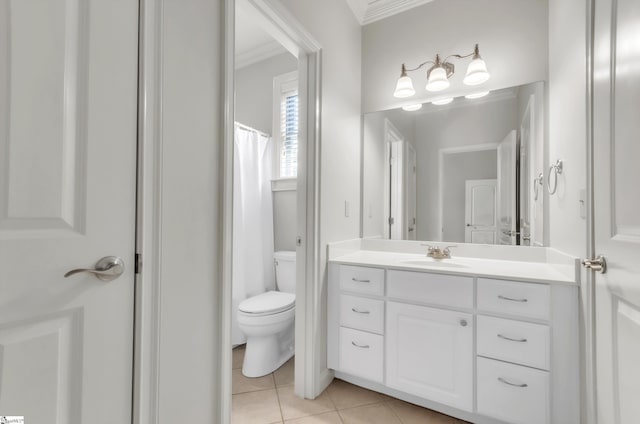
point(268, 303)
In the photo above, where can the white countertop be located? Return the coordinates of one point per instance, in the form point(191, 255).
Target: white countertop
point(482, 267)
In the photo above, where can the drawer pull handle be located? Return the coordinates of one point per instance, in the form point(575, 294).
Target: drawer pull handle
point(512, 299)
point(502, 380)
point(360, 346)
point(360, 312)
point(512, 340)
point(357, 280)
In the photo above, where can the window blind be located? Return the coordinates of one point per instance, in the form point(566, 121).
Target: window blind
point(289, 134)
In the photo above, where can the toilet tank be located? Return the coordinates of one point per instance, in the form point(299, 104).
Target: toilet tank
point(285, 263)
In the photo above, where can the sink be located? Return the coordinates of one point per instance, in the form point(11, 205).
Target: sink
point(444, 263)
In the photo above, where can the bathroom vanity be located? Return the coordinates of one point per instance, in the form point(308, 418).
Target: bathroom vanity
point(483, 339)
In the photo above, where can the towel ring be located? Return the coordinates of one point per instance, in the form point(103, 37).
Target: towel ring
point(554, 169)
point(537, 182)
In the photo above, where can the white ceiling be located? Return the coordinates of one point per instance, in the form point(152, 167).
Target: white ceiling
point(367, 11)
point(253, 44)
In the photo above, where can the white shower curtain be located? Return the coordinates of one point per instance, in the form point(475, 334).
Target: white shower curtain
point(253, 270)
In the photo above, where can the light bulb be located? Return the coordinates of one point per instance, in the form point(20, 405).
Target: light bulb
point(476, 95)
point(404, 87)
point(438, 80)
point(476, 72)
point(412, 108)
point(443, 101)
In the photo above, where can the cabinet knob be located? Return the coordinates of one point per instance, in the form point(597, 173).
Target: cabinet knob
point(463, 322)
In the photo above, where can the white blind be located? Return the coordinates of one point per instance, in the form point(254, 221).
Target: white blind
point(289, 134)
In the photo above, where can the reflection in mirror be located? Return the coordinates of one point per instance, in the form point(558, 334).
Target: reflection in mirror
point(462, 172)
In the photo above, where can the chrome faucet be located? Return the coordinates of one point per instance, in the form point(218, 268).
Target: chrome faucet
point(439, 253)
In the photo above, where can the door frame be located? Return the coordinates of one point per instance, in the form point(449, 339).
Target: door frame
point(452, 150)
point(283, 26)
point(392, 136)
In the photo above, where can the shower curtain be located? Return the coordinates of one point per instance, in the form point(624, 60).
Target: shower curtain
point(253, 270)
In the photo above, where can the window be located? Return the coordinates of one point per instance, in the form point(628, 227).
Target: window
point(285, 94)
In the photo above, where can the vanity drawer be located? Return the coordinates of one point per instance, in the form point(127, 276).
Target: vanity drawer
point(512, 393)
point(514, 341)
point(361, 354)
point(514, 298)
point(362, 313)
point(362, 279)
point(447, 290)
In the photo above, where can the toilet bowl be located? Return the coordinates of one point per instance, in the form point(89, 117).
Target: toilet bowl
point(268, 321)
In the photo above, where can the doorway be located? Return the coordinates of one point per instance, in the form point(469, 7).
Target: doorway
point(276, 21)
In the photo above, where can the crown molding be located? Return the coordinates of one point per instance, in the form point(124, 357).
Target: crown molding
point(368, 11)
point(258, 54)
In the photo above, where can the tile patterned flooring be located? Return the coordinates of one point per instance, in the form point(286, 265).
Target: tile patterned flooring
point(270, 400)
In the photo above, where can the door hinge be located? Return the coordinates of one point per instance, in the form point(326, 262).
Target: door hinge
point(298, 241)
point(598, 264)
point(137, 265)
point(391, 220)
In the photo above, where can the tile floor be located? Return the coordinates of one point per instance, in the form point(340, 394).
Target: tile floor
point(270, 400)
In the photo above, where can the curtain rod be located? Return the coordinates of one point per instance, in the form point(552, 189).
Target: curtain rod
point(248, 128)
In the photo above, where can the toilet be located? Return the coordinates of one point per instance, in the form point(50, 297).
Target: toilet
point(268, 321)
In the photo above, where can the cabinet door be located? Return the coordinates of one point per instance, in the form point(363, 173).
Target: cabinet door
point(429, 353)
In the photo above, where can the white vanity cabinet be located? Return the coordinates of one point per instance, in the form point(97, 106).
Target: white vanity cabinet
point(429, 349)
point(487, 350)
point(429, 353)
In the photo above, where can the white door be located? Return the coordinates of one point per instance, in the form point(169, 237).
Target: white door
point(617, 210)
point(418, 337)
point(396, 200)
point(68, 106)
point(480, 211)
point(411, 195)
point(507, 189)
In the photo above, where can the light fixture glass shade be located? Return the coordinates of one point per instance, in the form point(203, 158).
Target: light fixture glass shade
point(437, 79)
point(404, 87)
point(443, 101)
point(412, 108)
point(476, 72)
point(476, 95)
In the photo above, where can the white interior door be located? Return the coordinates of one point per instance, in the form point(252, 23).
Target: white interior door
point(617, 210)
point(480, 211)
point(396, 191)
point(68, 106)
point(411, 195)
point(507, 151)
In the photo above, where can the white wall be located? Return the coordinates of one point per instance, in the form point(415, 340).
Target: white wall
point(457, 169)
point(189, 359)
point(254, 90)
point(567, 122)
point(284, 220)
point(474, 123)
point(254, 107)
point(333, 25)
point(512, 37)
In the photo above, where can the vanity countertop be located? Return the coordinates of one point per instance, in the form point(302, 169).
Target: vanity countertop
point(537, 272)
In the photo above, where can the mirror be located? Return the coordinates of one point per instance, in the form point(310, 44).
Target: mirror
point(465, 172)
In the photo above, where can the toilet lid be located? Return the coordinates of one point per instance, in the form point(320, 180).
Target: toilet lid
point(270, 302)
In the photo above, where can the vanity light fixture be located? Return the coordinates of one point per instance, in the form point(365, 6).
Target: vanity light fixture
point(412, 108)
point(439, 73)
point(443, 101)
point(476, 95)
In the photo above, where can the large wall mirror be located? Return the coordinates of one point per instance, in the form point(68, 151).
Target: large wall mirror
point(465, 172)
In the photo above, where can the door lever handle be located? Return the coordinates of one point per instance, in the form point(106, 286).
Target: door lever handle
point(106, 269)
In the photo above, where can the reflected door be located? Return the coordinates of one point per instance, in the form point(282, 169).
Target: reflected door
point(411, 195)
point(507, 221)
point(68, 108)
point(617, 210)
point(480, 211)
